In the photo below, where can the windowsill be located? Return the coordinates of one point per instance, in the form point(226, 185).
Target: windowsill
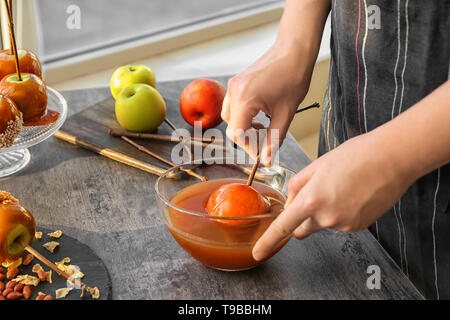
point(161, 43)
point(229, 54)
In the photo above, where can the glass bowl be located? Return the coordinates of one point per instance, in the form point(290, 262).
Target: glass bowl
point(221, 243)
point(16, 157)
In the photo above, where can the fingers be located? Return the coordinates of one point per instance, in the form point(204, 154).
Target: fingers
point(240, 117)
point(307, 228)
point(242, 129)
point(225, 113)
point(250, 140)
point(297, 182)
point(276, 133)
point(281, 227)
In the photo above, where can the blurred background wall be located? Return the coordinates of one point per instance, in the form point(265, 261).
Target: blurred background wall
point(81, 42)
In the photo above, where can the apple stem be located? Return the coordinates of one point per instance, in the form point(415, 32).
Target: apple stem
point(253, 172)
point(60, 272)
point(12, 38)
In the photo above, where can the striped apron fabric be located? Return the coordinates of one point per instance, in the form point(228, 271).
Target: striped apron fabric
point(386, 55)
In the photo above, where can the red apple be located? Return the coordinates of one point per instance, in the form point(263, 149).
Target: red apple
point(236, 200)
point(202, 101)
point(28, 63)
point(29, 95)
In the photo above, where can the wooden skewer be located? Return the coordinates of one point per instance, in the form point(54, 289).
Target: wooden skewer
point(188, 149)
point(109, 153)
point(11, 35)
point(12, 19)
point(162, 137)
point(62, 273)
point(253, 172)
point(314, 105)
point(170, 163)
point(119, 133)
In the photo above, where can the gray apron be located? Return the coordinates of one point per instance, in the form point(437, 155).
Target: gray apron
point(386, 55)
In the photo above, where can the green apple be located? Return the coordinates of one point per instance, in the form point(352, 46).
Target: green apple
point(20, 234)
point(126, 75)
point(140, 108)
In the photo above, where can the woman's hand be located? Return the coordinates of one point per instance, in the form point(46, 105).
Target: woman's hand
point(350, 187)
point(274, 84)
point(347, 189)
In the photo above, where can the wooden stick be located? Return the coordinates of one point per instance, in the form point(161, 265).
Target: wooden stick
point(120, 133)
point(314, 105)
point(12, 19)
point(109, 153)
point(162, 137)
point(170, 124)
point(154, 155)
point(253, 172)
point(60, 272)
point(188, 149)
point(11, 34)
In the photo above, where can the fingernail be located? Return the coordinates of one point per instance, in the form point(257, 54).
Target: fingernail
point(258, 255)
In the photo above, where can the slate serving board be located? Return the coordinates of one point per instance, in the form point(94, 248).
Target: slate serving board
point(95, 272)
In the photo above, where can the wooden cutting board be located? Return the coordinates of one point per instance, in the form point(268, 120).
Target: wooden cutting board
point(93, 125)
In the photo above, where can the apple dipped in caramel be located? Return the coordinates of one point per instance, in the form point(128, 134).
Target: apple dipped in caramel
point(29, 94)
point(10, 122)
point(17, 228)
point(236, 200)
point(28, 63)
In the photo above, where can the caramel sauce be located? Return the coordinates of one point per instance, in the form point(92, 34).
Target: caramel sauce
point(50, 117)
point(215, 244)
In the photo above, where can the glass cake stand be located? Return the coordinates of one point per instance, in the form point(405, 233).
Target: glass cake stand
point(16, 157)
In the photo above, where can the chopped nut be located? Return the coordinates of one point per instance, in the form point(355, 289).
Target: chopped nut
point(38, 235)
point(36, 268)
point(57, 234)
point(62, 293)
point(95, 293)
point(12, 264)
point(62, 263)
point(74, 271)
point(27, 260)
point(51, 246)
point(27, 280)
point(49, 276)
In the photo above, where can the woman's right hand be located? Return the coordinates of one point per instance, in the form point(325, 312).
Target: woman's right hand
point(275, 84)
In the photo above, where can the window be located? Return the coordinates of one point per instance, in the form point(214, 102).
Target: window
point(109, 23)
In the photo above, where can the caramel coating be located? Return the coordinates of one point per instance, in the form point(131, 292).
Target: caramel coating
point(10, 122)
point(29, 63)
point(12, 214)
point(29, 95)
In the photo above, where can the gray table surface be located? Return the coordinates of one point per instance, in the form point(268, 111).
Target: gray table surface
point(112, 209)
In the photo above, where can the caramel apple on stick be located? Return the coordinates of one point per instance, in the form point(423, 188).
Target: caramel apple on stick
point(27, 91)
point(17, 227)
point(17, 230)
point(10, 122)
